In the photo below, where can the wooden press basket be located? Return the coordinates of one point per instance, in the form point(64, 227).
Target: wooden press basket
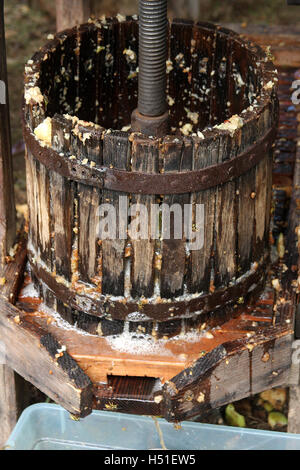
point(222, 99)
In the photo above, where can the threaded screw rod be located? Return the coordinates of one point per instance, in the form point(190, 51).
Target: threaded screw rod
point(152, 57)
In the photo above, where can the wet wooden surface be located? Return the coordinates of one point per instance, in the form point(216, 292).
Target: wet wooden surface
point(256, 344)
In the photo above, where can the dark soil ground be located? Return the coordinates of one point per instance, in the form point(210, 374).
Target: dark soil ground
point(28, 23)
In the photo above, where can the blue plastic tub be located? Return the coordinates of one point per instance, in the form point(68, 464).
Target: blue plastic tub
point(50, 427)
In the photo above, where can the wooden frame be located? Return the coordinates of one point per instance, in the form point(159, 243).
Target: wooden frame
point(61, 363)
point(8, 401)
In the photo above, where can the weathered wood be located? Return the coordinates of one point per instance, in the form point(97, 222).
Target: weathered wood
point(62, 204)
point(230, 372)
point(145, 156)
point(8, 400)
point(7, 199)
point(177, 156)
point(71, 12)
point(293, 415)
point(122, 393)
point(201, 274)
point(13, 272)
point(38, 357)
point(116, 152)
point(225, 220)
point(8, 403)
point(179, 77)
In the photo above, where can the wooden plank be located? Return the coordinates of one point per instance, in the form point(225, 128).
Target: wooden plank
point(226, 222)
point(145, 157)
point(116, 153)
point(202, 46)
point(8, 400)
point(7, 198)
point(294, 411)
point(221, 78)
point(228, 373)
point(62, 203)
point(178, 76)
point(89, 200)
point(13, 272)
point(71, 12)
point(38, 357)
point(8, 403)
point(88, 147)
point(201, 267)
point(177, 156)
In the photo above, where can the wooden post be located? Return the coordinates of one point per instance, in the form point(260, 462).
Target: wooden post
point(8, 403)
point(71, 12)
point(7, 200)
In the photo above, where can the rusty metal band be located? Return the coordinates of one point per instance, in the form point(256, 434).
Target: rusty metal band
point(103, 306)
point(145, 183)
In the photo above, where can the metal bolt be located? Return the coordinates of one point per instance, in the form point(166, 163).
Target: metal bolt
point(152, 57)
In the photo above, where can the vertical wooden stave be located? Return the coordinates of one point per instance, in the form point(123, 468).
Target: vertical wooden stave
point(262, 191)
point(177, 157)
point(88, 72)
point(220, 99)
point(144, 157)
point(202, 66)
point(89, 200)
point(225, 218)
point(116, 153)
point(107, 37)
point(200, 275)
point(62, 200)
point(179, 74)
point(126, 71)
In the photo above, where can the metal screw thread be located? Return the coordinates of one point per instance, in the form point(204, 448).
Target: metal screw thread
point(152, 57)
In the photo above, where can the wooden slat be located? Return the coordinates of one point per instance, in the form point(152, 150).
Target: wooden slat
point(221, 77)
point(225, 222)
point(145, 157)
point(179, 76)
point(7, 198)
point(89, 200)
point(177, 156)
point(116, 153)
point(203, 44)
point(62, 203)
point(201, 267)
point(8, 403)
point(230, 372)
point(245, 187)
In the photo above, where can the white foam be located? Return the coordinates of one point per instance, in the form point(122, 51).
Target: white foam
point(140, 344)
point(29, 291)
point(137, 344)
